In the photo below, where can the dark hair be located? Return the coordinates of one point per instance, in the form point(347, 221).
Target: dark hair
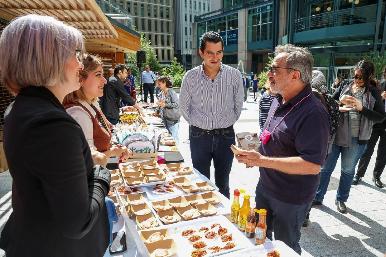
point(118, 68)
point(210, 36)
point(165, 80)
point(368, 69)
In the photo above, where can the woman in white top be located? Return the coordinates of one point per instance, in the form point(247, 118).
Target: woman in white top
point(82, 105)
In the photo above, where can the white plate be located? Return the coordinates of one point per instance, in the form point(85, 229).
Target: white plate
point(185, 247)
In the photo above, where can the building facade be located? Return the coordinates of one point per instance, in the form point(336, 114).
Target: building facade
point(338, 32)
point(185, 12)
point(155, 20)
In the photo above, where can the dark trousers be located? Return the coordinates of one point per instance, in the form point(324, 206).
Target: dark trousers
point(381, 154)
point(206, 145)
point(284, 219)
point(148, 88)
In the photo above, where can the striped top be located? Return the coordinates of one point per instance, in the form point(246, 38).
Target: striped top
point(212, 104)
point(264, 106)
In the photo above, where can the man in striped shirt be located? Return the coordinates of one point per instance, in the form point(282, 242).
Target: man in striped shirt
point(211, 99)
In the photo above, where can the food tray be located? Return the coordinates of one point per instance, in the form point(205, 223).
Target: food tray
point(185, 247)
point(155, 196)
point(263, 250)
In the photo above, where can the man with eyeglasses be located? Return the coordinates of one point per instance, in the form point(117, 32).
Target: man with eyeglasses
point(293, 146)
point(211, 99)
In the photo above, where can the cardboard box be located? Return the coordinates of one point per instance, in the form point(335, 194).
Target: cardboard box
point(248, 141)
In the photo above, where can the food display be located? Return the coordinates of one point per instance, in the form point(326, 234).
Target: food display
point(209, 237)
point(165, 188)
point(147, 221)
point(129, 117)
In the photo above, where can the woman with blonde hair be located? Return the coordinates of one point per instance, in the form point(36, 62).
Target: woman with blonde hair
point(57, 195)
point(82, 105)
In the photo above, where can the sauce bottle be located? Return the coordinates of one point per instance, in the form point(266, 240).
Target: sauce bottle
point(261, 227)
point(235, 207)
point(251, 224)
point(243, 214)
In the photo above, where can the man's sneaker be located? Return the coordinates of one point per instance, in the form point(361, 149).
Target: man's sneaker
point(341, 206)
point(356, 180)
point(378, 182)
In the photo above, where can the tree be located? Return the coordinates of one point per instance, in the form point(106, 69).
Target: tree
point(379, 61)
point(175, 72)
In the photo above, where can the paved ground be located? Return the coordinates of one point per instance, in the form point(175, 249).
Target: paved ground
point(361, 232)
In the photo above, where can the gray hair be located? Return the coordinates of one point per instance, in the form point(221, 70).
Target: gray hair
point(34, 50)
point(318, 81)
point(298, 58)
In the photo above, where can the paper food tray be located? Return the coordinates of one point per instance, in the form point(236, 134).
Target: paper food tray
point(184, 247)
point(152, 196)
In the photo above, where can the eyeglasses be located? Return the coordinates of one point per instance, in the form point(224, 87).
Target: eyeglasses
point(79, 55)
point(358, 77)
point(273, 69)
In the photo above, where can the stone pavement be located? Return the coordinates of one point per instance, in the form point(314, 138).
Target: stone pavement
point(360, 233)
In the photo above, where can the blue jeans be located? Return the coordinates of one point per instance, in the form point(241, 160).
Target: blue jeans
point(207, 146)
point(173, 129)
point(112, 215)
point(284, 219)
point(349, 159)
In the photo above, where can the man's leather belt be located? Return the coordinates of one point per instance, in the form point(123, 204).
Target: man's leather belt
point(220, 131)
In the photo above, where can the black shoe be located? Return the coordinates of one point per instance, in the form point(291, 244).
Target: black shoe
point(306, 222)
point(378, 182)
point(356, 180)
point(341, 206)
point(316, 203)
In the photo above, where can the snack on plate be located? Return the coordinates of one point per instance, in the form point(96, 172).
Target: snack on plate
point(197, 202)
point(274, 253)
point(210, 234)
point(222, 231)
point(167, 219)
point(226, 238)
point(156, 236)
point(165, 188)
point(198, 253)
point(161, 253)
point(190, 214)
point(208, 212)
point(149, 223)
point(199, 245)
point(215, 225)
point(185, 171)
point(204, 229)
point(229, 245)
point(188, 232)
point(194, 238)
point(215, 249)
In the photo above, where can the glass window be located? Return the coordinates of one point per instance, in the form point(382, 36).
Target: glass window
point(186, 44)
point(186, 3)
point(186, 17)
point(149, 25)
point(142, 10)
point(161, 12)
point(167, 40)
point(168, 24)
point(162, 40)
point(143, 24)
point(186, 31)
point(148, 7)
point(199, 6)
point(155, 11)
point(169, 55)
point(195, 5)
point(167, 13)
point(135, 7)
point(163, 54)
point(162, 26)
point(203, 7)
point(129, 7)
point(156, 39)
point(156, 26)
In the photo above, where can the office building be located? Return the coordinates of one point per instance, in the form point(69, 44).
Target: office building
point(185, 11)
point(338, 32)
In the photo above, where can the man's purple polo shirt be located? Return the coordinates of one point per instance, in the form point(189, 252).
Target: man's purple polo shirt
point(304, 133)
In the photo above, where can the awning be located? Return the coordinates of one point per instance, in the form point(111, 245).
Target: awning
point(85, 15)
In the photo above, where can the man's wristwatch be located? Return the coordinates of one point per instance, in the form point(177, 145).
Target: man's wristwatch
point(102, 173)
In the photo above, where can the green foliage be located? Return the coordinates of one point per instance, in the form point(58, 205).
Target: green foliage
point(379, 61)
point(263, 76)
point(175, 71)
point(151, 57)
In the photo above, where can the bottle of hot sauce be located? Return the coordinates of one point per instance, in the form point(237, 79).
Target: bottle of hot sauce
point(235, 208)
point(243, 214)
point(261, 227)
point(251, 224)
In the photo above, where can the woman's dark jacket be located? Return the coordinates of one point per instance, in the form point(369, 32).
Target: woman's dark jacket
point(58, 206)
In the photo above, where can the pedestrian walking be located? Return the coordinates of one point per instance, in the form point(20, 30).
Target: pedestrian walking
point(148, 80)
point(379, 132)
point(362, 106)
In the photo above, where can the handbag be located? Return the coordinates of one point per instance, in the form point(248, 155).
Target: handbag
point(172, 114)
